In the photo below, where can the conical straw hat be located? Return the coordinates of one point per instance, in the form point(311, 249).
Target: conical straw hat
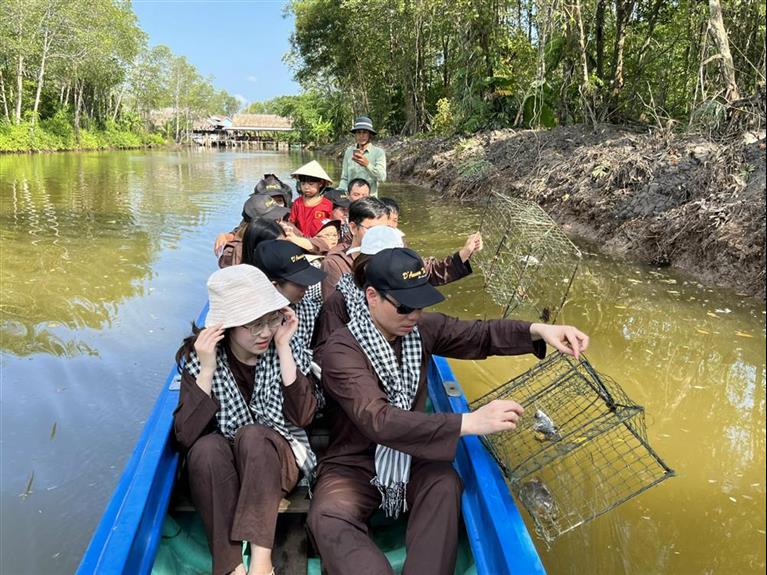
point(313, 170)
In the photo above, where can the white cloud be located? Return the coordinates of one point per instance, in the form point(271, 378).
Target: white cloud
point(252, 79)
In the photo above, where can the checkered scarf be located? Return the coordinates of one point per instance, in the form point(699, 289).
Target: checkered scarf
point(353, 296)
point(265, 407)
point(306, 310)
point(400, 385)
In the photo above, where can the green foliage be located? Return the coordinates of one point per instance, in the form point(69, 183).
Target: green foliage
point(396, 61)
point(86, 62)
point(444, 123)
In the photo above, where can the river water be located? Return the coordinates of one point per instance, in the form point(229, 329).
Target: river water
point(103, 265)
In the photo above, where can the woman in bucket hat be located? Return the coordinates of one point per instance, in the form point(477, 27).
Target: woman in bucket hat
point(242, 408)
point(363, 160)
point(312, 207)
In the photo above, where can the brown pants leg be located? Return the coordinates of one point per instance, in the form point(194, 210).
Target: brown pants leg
point(214, 486)
point(268, 471)
point(342, 503)
point(434, 501)
point(237, 489)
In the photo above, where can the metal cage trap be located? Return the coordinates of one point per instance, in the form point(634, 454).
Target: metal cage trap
point(528, 262)
point(580, 448)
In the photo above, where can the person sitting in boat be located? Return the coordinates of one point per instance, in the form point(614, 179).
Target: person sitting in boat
point(364, 160)
point(369, 212)
point(270, 184)
point(291, 272)
point(357, 189)
point(312, 207)
point(393, 207)
point(242, 408)
point(384, 450)
point(228, 247)
point(340, 200)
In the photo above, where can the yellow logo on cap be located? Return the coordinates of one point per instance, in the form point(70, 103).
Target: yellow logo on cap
point(296, 258)
point(270, 202)
point(414, 275)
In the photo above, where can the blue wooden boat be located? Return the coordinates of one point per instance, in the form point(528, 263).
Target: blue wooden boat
point(130, 532)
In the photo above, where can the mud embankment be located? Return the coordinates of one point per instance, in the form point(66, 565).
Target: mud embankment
point(656, 197)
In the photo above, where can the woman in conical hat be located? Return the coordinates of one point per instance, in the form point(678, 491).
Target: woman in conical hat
point(308, 211)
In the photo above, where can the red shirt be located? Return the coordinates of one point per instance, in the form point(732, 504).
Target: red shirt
point(309, 220)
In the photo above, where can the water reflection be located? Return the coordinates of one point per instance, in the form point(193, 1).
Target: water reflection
point(108, 253)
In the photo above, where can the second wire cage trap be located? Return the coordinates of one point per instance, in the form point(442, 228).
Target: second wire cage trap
point(580, 448)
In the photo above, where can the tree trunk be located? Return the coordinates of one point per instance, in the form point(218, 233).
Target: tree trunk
point(599, 35)
point(623, 9)
point(719, 34)
point(41, 75)
point(78, 107)
point(582, 43)
point(2, 93)
point(19, 87)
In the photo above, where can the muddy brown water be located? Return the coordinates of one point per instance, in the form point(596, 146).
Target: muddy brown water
point(104, 261)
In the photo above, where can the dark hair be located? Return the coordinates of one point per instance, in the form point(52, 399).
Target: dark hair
point(187, 347)
point(391, 204)
point(356, 182)
point(258, 230)
point(365, 208)
point(359, 268)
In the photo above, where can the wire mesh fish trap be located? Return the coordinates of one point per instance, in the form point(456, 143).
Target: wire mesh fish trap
point(580, 448)
point(528, 262)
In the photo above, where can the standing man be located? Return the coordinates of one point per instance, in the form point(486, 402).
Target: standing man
point(363, 160)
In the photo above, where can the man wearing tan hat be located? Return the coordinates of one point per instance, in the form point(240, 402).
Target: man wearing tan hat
point(363, 160)
point(312, 207)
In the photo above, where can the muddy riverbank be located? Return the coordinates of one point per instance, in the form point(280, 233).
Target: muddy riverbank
point(653, 196)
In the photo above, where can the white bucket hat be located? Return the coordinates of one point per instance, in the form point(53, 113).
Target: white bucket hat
point(379, 238)
point(313, 170)
point(240, 294)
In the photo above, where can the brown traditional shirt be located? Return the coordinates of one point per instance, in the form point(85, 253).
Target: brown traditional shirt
point(195, 415)
point(358, 408)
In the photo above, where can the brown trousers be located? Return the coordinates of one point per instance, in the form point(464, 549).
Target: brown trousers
point(344, 500)
point(237, 487)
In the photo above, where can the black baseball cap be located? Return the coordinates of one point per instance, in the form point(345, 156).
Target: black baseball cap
point(273, 186)
point(263, 206)
point(400, 273)
point(284, 260)
point(339, 197)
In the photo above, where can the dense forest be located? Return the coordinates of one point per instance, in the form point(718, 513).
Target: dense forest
point(79, 74)
point(444, 65)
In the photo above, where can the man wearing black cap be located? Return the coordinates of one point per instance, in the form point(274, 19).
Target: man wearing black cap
point(363, 160)
point(286, 265)
point(374, 377)
point(271, 185)
point(341, 202)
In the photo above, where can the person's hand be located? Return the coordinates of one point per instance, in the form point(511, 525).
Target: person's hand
point(498, 415)
point(221, 239)
point(287, 230)
point(287, 329)
point(360, 158)
point(205, 346)
point(473, 244)
point(564, 338)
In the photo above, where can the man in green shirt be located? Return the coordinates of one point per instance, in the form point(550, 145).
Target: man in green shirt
point(363, 160)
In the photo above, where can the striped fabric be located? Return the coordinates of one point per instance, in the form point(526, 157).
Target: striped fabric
point(400, 385)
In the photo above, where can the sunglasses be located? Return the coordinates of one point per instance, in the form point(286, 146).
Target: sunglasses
point(402, 309)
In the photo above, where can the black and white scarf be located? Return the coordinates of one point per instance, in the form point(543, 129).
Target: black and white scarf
point(353, 296)
point(400, 385)
point(306, 310)
point(265, 407)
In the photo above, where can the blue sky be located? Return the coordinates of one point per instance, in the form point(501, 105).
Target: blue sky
point(239, 42)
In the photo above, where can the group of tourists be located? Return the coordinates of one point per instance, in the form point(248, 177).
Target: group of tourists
point(319, 307)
